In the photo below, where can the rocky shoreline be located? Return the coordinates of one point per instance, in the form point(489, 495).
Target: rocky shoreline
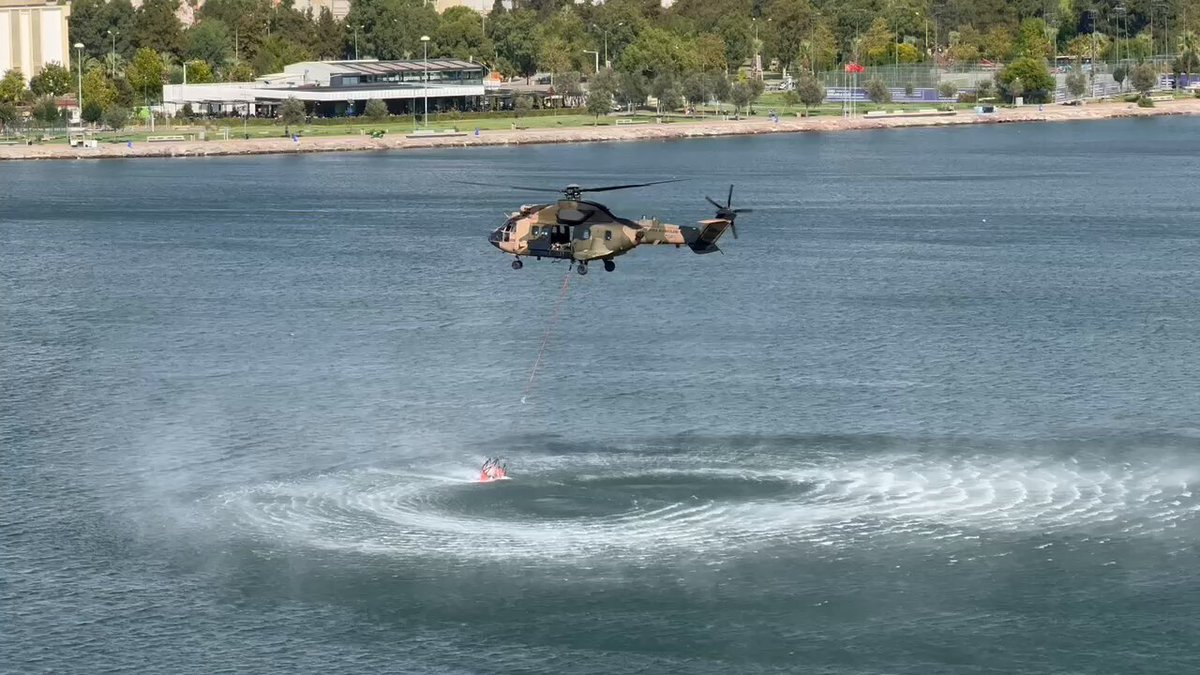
point(640, 132)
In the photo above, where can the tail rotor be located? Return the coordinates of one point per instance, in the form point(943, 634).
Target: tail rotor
point(726, 212)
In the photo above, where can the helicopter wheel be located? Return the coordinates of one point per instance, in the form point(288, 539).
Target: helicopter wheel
point(610, 265)
point(517, 264)
point(581, 268)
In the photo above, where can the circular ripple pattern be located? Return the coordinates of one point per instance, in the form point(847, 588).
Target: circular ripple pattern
point(648, 507)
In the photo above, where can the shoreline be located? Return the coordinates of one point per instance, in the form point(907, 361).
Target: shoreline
point(643, 132)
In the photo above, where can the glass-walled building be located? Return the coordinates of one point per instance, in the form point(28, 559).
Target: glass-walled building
point(341, 88)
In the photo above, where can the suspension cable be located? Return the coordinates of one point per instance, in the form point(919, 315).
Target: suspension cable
point(562, 296)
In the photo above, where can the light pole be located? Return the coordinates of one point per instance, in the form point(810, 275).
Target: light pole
point(356, 42)
point(113, 55)
point(596, 54)
point(605, 32)
point(425, 44)
point(79, 62)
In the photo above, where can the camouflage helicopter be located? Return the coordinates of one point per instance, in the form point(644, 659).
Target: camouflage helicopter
point(581, 231)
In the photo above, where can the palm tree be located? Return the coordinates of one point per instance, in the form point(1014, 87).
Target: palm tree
point(1189, 52)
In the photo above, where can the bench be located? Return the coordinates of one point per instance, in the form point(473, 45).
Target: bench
point(625, 120)
point(1162, 98)
point(160, 139)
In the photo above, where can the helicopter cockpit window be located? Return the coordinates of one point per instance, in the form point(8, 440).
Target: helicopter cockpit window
point(586, 233)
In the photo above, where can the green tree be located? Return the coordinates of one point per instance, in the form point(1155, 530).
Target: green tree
point(199, 72)
point(1118, 74)
point(719, 85)
point(209, 41)
point(515, 35)
point(879, 42)
point(1033, 41)
point(696, 89)
point(1189, 52)
point(789, 27)
point(1076, 81)
point(92, 112)
point(331, 36)
point(91, 22)
point(522, 104)
point(157, 28)
point(376, 110)
point(1036, 81)
point(46, 111)
point(569, 86)
point(878, 92)
point(98, 88)
point(1143, 77)
point(291, 113)
point(12, 87)
point(145, 73)
point(757, 87)
point(665, 91)
point(460, 35)
point(552, 55)
point(600, 92)
point(997, 45)
point(811, 91)
point(275, 52)
point(8, 115)
point(821, 50)
point(53, 79)
point(737, 33)
point(947, 90)
point(740, 95)
point(115, 117)
point(632, 89)
point(983, 89)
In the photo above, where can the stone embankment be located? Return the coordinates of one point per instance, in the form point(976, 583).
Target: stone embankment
point(639, 132)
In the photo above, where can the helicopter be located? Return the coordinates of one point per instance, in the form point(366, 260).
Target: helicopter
point(582, 230)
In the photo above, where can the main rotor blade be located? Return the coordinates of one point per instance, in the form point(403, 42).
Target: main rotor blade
point(632, 185)
point(729, 199)
point(710, 201)
point(510, 187)
point(743, 210)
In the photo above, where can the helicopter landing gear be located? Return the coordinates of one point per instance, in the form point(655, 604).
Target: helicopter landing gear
point(610, 265)
point(581, 268)
point(517, 264)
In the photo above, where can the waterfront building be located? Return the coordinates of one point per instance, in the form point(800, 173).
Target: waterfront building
point(339, 88)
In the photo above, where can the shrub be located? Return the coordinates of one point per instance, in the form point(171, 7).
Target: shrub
point(947, 89)
point(375, 109)
point(1145, 102)
point(878, 91)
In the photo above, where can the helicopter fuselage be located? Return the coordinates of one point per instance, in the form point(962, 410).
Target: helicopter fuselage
point(583, 231)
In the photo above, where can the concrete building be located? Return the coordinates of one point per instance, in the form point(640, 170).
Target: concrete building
point(33, 34)
point(337, 88)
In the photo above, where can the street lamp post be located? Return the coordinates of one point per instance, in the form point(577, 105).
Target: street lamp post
point(113, 56)
point(425, 44)
point(356, 42)
point(79, 62)
point(604, 31)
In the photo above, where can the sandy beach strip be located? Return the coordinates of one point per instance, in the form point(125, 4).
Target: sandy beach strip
point(632, 132)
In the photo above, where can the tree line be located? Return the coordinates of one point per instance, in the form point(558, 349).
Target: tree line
point(129, 53)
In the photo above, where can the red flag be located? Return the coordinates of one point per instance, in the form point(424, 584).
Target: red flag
point(854, 68)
